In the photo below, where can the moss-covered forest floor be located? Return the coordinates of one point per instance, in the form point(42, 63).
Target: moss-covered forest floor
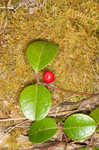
point(74, 26)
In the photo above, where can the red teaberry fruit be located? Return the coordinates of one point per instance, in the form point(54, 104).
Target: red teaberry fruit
point(48, 77)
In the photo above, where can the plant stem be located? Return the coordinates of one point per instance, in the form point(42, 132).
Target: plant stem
point(37, 77)
point(69, 91)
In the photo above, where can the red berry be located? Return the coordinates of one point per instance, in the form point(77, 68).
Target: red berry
point(48, 77)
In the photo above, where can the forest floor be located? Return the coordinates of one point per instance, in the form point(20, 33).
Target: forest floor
point(74, 26)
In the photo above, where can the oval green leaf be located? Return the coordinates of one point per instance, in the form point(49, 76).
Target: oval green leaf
point(40, 53)
point(95, 148)
point(42, 130)
point(35, 101)
point(79, 126)
point(95, 115)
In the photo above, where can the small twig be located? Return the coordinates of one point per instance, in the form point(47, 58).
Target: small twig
point(3, 26)
point(2, 29)
point(11, 119)
point(8, 130)
point(91, 142)
point(17, 125)
point(46, 146)
point(10, 8)
point(50, 145)
point(63, 113)
point(91, 101)
point(85, 104)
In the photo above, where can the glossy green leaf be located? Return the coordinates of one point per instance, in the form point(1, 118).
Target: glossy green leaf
point(79, 126)
point(42, 130)
point(40, 53)
point(95, 148)
point(35, 101)
point(95, 115)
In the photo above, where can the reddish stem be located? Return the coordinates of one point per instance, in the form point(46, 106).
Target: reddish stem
point(69, 91)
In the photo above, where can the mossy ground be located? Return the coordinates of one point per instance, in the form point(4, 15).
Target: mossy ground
point(74, 26)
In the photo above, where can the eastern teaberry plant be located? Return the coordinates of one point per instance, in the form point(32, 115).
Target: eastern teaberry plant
point(36, 100)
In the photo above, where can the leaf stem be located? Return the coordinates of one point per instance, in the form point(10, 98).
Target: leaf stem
point(37, 77)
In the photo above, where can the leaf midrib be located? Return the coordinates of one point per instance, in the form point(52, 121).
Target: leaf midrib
point(36, 101)
point(45, 130)
point(40, 57)
point(68, 128)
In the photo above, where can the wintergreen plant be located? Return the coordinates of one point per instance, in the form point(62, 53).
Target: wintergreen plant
point(36, 100)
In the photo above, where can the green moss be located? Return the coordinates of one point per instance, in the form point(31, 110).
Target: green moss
point(69, 24)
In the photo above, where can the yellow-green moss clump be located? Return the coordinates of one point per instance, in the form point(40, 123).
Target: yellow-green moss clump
point(73, 25)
